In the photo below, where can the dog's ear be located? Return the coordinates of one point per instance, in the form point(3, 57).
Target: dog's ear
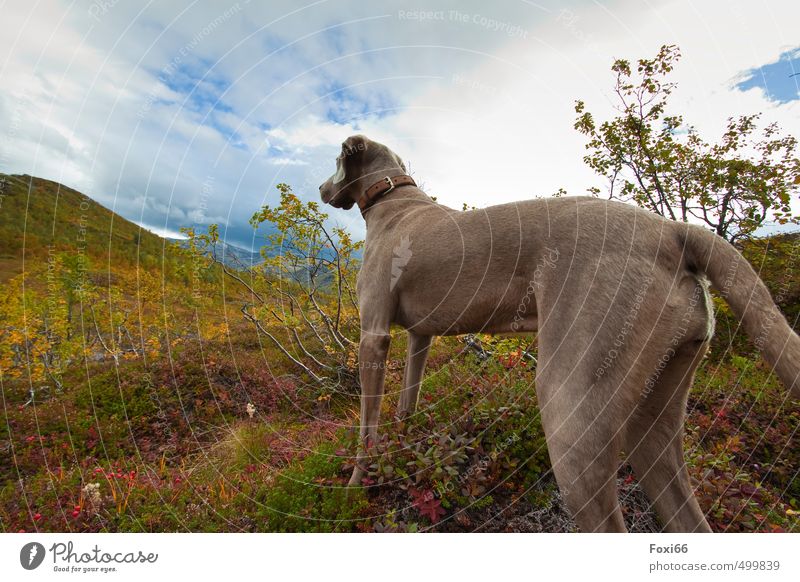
point(354, 145)
point(353, 149)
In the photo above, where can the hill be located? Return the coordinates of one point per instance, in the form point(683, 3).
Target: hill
point(81, 283)
point(39, 217)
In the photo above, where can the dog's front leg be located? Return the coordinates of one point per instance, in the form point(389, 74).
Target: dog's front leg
point(418, 346)
point(373, 348)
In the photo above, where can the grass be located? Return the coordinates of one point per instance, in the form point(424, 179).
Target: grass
point(173, 448)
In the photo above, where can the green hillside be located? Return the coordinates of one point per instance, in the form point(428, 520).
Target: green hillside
point(38, 216)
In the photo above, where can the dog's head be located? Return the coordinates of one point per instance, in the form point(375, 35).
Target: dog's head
point(361, 163)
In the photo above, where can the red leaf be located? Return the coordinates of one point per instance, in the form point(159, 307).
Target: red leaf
point(427, 504)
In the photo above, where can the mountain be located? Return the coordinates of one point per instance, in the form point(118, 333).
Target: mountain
point(230, 254)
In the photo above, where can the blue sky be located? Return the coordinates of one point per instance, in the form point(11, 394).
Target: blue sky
point(183, 115)
point(779, 80)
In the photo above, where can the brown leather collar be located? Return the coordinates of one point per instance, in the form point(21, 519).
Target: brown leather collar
point(382, 188)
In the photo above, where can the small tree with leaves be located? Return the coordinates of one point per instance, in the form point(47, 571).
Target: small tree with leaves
point(39, 337)
point(302, 296)
point(654, 159)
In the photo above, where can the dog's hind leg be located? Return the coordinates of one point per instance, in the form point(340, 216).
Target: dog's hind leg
point(418, 346)
point(654, 441)
point(579, 422)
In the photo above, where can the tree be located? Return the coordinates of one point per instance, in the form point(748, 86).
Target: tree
point(38, 338)
point(655, 160)
point(302, 296)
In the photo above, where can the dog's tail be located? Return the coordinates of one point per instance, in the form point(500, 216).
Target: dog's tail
point(749, 299)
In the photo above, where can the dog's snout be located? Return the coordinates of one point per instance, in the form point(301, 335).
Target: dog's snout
point(325, 191)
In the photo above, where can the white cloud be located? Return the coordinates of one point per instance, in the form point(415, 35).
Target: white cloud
point(165, 232)
point(288, 162)
point(309, 131)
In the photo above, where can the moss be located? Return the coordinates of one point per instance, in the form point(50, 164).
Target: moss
point(309, 497)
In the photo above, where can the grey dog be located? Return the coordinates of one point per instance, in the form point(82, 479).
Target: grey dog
point(619, 298)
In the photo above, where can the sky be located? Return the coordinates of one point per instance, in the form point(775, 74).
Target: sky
point(186, 114)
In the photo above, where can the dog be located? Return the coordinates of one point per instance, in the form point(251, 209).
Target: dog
point(618, 296)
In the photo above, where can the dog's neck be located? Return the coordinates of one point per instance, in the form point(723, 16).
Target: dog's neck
point(399, 202)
